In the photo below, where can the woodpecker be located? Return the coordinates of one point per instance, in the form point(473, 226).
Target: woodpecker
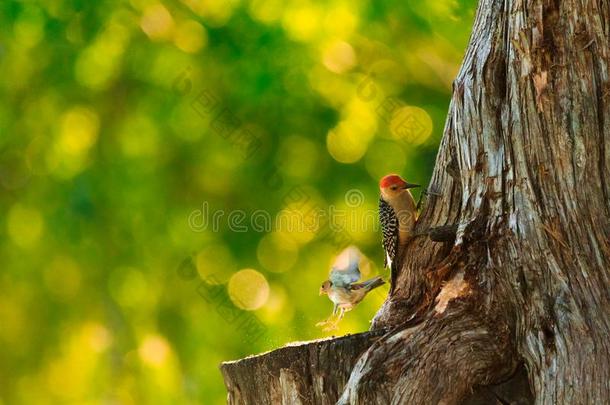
point(342, 287)
point(397, 215)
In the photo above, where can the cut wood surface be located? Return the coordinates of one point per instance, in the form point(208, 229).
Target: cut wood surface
point(300, 373)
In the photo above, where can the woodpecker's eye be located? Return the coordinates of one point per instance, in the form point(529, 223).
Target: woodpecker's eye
point(393, 187)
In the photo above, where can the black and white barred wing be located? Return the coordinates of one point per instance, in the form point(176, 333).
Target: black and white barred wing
point(389, 230)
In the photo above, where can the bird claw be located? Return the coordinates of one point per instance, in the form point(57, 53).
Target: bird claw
point(331, 327)
point(328, 325)
point(432, 191)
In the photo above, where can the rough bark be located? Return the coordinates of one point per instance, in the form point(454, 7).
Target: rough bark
point(524, 170)
point(316, 372)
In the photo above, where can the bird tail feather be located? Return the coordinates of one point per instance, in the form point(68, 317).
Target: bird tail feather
point(373, 283)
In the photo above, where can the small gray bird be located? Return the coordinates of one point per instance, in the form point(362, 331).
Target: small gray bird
point(342, 287)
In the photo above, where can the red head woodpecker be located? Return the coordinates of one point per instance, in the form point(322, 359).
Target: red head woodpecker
point(397, 215)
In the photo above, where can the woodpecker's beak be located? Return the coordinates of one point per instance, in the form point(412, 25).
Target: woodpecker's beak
point(410, 185)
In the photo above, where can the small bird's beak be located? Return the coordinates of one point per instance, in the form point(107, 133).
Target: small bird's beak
point(410, 185)
point(321, 291)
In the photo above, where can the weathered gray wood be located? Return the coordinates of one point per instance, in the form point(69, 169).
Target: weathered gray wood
point(304, 373)
point(315, 373)
point(524, 169)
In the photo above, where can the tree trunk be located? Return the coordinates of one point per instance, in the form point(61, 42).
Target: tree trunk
point(524, 170)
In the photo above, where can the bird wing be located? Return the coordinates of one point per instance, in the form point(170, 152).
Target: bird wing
point(389, 229)
point(345, 270)
point(372, 283)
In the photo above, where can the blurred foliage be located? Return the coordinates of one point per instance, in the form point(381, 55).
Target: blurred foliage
point(118, 142)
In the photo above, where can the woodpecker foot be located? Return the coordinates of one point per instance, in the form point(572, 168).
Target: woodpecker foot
point(427, 192)
point(433, 192)
point(421, 198)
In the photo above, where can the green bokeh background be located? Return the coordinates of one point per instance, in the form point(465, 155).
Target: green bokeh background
point(125, 126)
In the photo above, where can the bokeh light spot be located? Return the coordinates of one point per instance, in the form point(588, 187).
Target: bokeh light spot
point(276, 253)
point(99, 337)
point(154, 350)
point(278, 308)
point(338, 56)
point(62, 277)
point(248, 289)
point(29, 28)
point(360, 117)
point(340, 21)
point(384, 157)
point(25, 225)
point(157, 22)
point(14, 321)
point(336, 90)
point(215, 264)
point(303, 22)
point(299, 157)
point(266, 11)
point(129, 287)
point(99, 62)
point(302, 217)
point(79, 128)
point(139, 137)
point(358, 222)
point(346, 145)
point(190, 36)
point(216, 13)
point(411, 124)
